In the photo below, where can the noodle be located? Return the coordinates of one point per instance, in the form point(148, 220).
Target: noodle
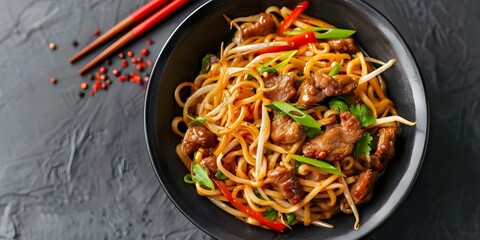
point(238, 134)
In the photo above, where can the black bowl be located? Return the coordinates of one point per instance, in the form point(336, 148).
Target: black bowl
point(202, 32)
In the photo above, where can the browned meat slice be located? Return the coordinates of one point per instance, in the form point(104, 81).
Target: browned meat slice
point(343, 45)
point(386, 143)
point(287, 183)
point(314, 90)
point(210, 163)
point(284, 88)
point(286, 131)
point(263, 26)
point(337, 142)
point(362, 189)
point(198, 136)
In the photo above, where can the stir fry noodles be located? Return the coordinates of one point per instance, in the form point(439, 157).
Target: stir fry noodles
point(289, 124)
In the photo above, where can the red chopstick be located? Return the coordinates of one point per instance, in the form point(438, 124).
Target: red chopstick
point(135, 32)
point(136, 16)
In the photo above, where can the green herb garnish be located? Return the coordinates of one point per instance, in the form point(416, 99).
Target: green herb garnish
point(290, 218)
point(324, 33)
point(198, 121)
point(338, 104)
point(362, 112)
point(311, 126)
point(220, 175)
point(285, 59)
point(363, 145)
point(200, 175)
point(327, 167)
point(270, 214)
point(335, 70)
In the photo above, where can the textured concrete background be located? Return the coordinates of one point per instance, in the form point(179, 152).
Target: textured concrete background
point(73, 168)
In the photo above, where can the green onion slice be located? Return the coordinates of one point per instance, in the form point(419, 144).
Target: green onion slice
point(293, 112)
point(317, 163)
point(285, 59)
point(324, 33)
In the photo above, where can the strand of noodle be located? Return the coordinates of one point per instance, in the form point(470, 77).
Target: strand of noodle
point(194, 96)
point(250, 194)
point(206, 192)
point(227, 208)
point(306, 214)
point(222, 105)
point(376, 72)
point(185, 159)
point(235, 124)
point(264, 131)
point(179, 88)
point(300, 213)
point(388, 119)
point(349, 199)
point(175, 122)
point(275, 148)
point(374, 60)
point(233, 177)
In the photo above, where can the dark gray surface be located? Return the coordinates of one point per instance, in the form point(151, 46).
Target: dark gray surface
point(74, 168)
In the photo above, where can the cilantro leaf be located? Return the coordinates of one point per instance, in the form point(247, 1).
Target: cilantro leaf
point(290, 218)
point(312, 132)
point(363, 145)
point(362, 112)
point(338, 104)
point(200, 175)
point(270, 214)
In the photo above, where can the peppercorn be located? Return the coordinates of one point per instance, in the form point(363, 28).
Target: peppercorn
point(145, 52)
point(115, 72)
point(75, 44)
point(149, 41)
point(124, 63)
point(102, 69)
point(130, 54)
point(52, 46)
point(146, 78)
point(121, 55)
point(103, 77)
point(81, 94)
point(103, 85)
point(108, 82)
point(133, 60)
point(83, 85)
point(149, 62)
point(122, 78)
point(53, 80)
point(139, 59)
point(91, 77)
point(96, 32)
point(108, 62)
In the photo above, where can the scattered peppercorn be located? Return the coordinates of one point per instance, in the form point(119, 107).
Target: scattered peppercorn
point(133, 60)
point(122, 78)
point(146, 78)
point(108, 82)
point(83, 85)
point(145, 52)
point(102, 69)
point(81, 94)
point(121, 55)
point(91, 77)
point(52, 46)
point(130, 53)
point(53, 80)
point(108, 62)
point(96, 32)
point(103, 77)
point(115, 72)
point(149, 41)
point(149, 62)
point(103, 85)
point(124, 63)
point(75, 44)
point(139, 59)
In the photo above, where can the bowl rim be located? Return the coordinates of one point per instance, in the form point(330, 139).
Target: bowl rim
point(411, 173)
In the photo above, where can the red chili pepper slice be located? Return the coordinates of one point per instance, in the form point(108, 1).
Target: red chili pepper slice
point(287, 22)
point(271, 224)
point(296, 42)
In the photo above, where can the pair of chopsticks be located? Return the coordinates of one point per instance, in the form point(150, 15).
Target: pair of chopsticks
point(141, 28)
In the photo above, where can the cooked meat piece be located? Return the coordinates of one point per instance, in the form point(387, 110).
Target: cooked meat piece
point(287, 183)
point(386, 143)
point(314, 90)
point(286, 131)
point(198, 136)
point(210, 163)
point(315, 176)
point(263, 26)
point(362, 189)
point(338, 140)
point(284, 88)
point(343, 45)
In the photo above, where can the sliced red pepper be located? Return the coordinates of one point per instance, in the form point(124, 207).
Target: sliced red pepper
point(296, 42)
point(287, 22)
point(257, 216)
